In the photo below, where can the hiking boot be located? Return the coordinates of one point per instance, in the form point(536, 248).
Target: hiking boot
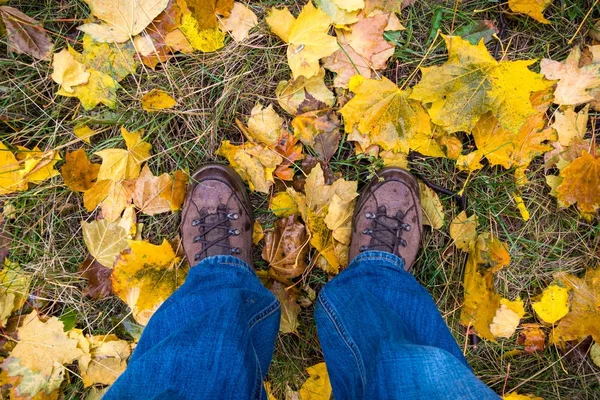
point(217, 217)
point(387, 216)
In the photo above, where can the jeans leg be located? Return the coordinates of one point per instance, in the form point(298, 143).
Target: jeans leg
point(384, 338)
point(213, 338)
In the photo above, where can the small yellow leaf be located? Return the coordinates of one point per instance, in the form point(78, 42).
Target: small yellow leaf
point(205, 40)
point(124, 164)
point(105, 360)
point(105, 240)
point(317, 386)
point(157, 99)
point(532, 8)
point(517, 396)
point(507, 318)
point(239, 22)
point(463, 230)
point(569, 124)
point(111, 196)
point(289, 307)
point(14, 283)
point(84, 133)
point(145, 276)
point(553, 305)
point(100, 88)
point(265, 125)
point(77, 172)
point(257, 232)
point(282, 204)
point(521, 206)
point(432, 207)
point(11, 172)
point(148, 189)
point(68, 72)
point(303, 94)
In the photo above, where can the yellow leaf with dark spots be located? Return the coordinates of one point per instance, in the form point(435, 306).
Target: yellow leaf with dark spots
point(157, 99)
point(78, 172)
point(581, 184)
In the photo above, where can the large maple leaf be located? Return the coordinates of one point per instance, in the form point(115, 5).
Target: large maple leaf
point(472, 83)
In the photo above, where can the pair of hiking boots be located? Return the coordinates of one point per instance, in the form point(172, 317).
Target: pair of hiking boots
point(217, 216)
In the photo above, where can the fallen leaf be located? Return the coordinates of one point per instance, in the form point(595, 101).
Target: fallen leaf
point(113, 60)
point(11, 172)
point(532, 337)
point(584, 318)
point(239, 22)
point(206, 11)
point(521, 207)
point(38, 165)
point(306, 36)
point(286, 247)
point(147, 193)
point(575, 84)
point(319, 130)
point(581, 184)
point(77, 172)
point(477, 30)
point(282, 204)
point(303, 94)
point(145, 276)
point(25, 34)
point(290, 151)
point(366, 38)
point(120, 164)
point(553, 304)
point(104, 240)
point(289, 307)
point(122, 20)
point(517, 396)
point(175, 193)
point(338, 15)
point(111, 196)
point(507, 318)
point(569, 124)
point(84, 133)
point(205, 40)
point(157, 99)
point(25, 383)
point(107, 359)
point(257, 232)
point(317, 386)
point(502, 88)
point(432, 207)
point(264, 125)
point(385, 6)
point(14, 289)
point(68, 72)
point(595, 354)
point(531, 8)
point(463, 230)
point(99, 285)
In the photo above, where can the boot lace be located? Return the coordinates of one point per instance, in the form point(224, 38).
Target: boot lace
point(214, 230)
point(386, 232)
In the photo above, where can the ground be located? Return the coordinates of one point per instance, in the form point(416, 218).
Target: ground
point(215, 89)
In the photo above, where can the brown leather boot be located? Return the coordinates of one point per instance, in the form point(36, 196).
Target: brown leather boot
point(217, 218)
point(387, 216)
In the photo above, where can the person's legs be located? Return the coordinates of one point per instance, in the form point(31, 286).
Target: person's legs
point(214, 337)
point(381, 333)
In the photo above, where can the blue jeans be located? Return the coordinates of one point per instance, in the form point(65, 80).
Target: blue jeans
point(381, 333)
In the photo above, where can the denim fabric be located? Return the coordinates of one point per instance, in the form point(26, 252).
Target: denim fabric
point(380, 331)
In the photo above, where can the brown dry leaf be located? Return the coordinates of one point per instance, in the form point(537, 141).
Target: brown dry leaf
point(175, 194)
point(147, 195)
point(317, 386)
point(239, 22)
point(302, 95)
point(145, 276)
point(122, 19)
point(206, 11)
point(77, 172)
point(584, 318)
point(290, 151)
point(432, 207)
point(307, 38)
point(25, 34)
point(531, 8)
point(319, 130)
point(286, 247)
point(575, 85)
point(99, 285)
point(532, 337)
point(68, 72)
point(289, 307)
point(105, 240)
point(156, 100)
point(463, 230)
point(366, 38)
point(581, 184)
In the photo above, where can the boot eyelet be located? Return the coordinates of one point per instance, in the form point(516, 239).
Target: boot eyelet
point(406, 227)
point(367, 232)
point(197, 257)
point(403, 242)
point(197, 239)
point(234, 232)
point(369, 215)
point(236, 250)
point(363, 248)
point(195, 222)
point(233, 216)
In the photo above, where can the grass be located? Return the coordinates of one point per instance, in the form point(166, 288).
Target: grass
point(215, 89)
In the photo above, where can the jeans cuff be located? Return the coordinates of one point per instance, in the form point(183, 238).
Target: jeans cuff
point(224, 260)
point(382, 257)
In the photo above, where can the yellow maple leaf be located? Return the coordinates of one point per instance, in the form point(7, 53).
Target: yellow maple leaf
point(432, 207)
point(253, 162)
point(264, 125)
point(301, 95)
point(472, 83)
point(104, 359)
point(14, 289)
point(111, 196)
point(584, 318)
point(122, 19)
point(100, 88)
point(338, 15)
point(84, 133)
point(306, 36)
point(148, 189)
point(385, 113)
point(581, 184)
point(553, 305)
point(145, 276)
point(105, 240)
point(463, 230)
point(44, 345)
point(258, 232)
point(507, 318)
point(11, 172)
point(575, 85)
point(570, 125)
point(114, 60)
point(282, 204)
point(239, 22)
point(68, 72)
point(317, 386)
point(120, 164)
point(77, 172)
point(157, 99)
point(532, 8)
point(38, 165)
